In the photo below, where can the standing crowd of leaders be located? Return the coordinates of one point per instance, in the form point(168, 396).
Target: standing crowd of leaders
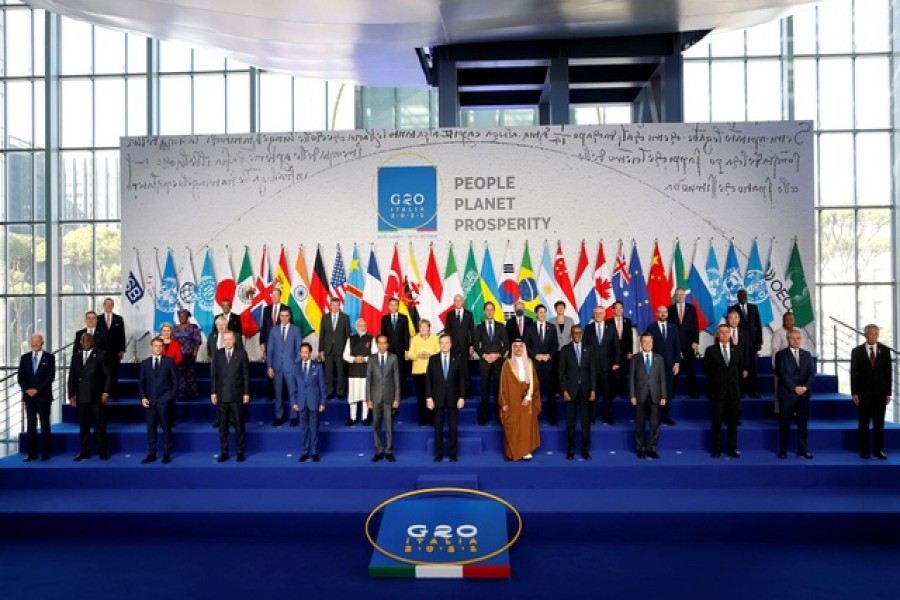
point(526, 367)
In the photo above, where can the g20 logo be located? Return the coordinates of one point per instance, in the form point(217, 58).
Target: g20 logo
point(407, 198)
point(442, 531)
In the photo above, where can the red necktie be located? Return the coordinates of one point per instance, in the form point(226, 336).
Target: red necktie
point(872, 357)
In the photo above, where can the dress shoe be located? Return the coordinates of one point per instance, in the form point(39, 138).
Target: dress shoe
point(734, 453)
point(652, 454)
point(367, 421)
point(303, 458)
point(880, 455)
point(754, 395)
point(215, 425)
point(593, 420)
point(315, 458)
point(586, 456)
point(805, 455)
point(716, 454)
point(438, 458)
point(552, 423)
point(390, 458)
point(641, 454)
point(104, 457)
point(452, 459)
point(378, 456)
point(482, 422)
point(30, 458)
point(84, 456)
point(241, 457)
point(149, 459)
point(694, 395)
point(570, 456)
point(45, 458)
point(782, 454)
point(166, 459)
point(295, 422)
point(223, 457)
point(609, 421)
point(668, 421)
point(350, 423)
point(528, 457)
point(277, 422)
point(506, 458)
point(861, 455)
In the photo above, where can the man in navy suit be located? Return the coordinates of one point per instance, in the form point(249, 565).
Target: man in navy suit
point(492, 345)
point(157, 387)
point(282, 357)
point(870, 385)
point(667, 344)
point(37, 369)
point(88, 387)
point(648, 391)
point(518, 325)
point(444, 387)
point(233, 321)
point(751, 327)
point(543, 348)
point(577, 377)
point(396, 327)
point(460, 324)
point(623, 336)
point(308, 401)
point(600, 336)
point(683, 315)
point(230, 383)
point(723, 365)
point(111, 340)
point(795, 371)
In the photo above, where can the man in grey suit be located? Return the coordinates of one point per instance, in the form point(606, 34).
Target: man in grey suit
point(647, 388)
point(382, 396)
point(334, 332)
point(230, 383)
point(282, 357)
point(795, 371)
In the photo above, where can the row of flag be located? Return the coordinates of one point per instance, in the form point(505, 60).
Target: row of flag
point(155, 299)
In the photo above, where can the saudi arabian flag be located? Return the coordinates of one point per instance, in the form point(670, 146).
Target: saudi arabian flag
point(471, 285)
point(801, 300)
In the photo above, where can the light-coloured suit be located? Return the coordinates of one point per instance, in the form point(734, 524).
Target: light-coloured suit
point(282, 356)
point(649, 389)
point(309, 394)
point(383, 389)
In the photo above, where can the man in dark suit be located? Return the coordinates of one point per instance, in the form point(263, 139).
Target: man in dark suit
point(623, 335)
point(216, 340)
point(739, 338)
point(271, 318)
point(281, 361)
point(396, 327)
point(795, 371)
point(233, 321)
point(683, 315)
point(491, 344)
point(666, 344)
point(870, 384)
point(577, 378)
point(518, 326)
point(600, 336)
point(647, 387)
point(157, 388)
point(88, 387)
point(308, 401)
point(460, 325)
point(37, 369)
point(382, 396)
point(334, 333)
point(751, 326)
point(111, 340)
point(91, 327)
point(543, 348)
point(230, 390)
point(723, 365)
point(444, 386)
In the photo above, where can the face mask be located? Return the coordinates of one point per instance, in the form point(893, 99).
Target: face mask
point(520, 312)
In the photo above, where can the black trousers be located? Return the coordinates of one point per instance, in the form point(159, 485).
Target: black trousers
point(871, 410)
point(605, 407)
point(670, 384)
point(644, 409)
point(580, 406)
point(92, 415)
point(159, 415)
point(726, 411)
point(790, 407)
point(548, 379)
point(335, 367)
point(749, 384)
point(231, 412)
point(452, 420)
point(426, 417)
point(490, 386)
point(37, 407)
point(686, 370)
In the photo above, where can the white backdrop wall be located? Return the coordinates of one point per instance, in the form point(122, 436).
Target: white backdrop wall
point(714, 182)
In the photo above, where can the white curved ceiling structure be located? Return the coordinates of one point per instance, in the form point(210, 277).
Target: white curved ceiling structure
point(373, 42)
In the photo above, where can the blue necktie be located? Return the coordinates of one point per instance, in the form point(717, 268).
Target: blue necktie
point(647, 363)
point(491, 329)
point(34, 362)
point(445, 366)
point(578, 353)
